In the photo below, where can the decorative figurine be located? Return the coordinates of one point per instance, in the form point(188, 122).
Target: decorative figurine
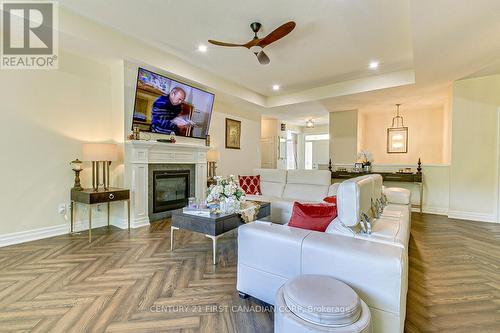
point(419, 166)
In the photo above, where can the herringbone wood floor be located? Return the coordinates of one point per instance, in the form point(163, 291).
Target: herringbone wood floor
point(131, 282)
point(454, 276)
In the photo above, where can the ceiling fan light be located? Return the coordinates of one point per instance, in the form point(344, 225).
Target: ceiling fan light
point(263, 58)
point(310, 123)
point(255, 49)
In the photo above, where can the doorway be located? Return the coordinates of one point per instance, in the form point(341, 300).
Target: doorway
point(316, 151)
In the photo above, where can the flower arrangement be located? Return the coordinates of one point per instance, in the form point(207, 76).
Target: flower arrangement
point(226, 193)
point(365, 157)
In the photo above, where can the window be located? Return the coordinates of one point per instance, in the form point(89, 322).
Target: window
point(308, 155)
point(317, 137)
point(291, 150)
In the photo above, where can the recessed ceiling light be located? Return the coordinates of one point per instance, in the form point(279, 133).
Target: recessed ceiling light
point(276, 87)
point(373, 65)
point(202, 48)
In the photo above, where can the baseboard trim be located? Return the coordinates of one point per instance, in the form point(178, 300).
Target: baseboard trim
point(431, 210)
point(61, 229)
point(138, 223)
point(471, 216)
point(32, 235)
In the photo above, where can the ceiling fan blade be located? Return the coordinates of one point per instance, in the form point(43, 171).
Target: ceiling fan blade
point(262, 58)
point(225, 44)
point(278, 33)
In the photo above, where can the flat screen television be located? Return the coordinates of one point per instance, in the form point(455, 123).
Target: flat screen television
point(163, 105)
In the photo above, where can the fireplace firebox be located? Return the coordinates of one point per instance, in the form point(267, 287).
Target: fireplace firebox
point(170, 190)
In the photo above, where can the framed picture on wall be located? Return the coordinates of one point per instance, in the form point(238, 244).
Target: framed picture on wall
point(233, 133)
point(397, 140)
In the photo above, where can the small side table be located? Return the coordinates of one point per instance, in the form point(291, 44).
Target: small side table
point(90, 197)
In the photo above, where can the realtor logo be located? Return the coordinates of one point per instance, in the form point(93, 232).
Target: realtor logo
point(29, 35)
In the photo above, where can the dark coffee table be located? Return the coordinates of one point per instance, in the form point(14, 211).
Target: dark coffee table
point(213, 227)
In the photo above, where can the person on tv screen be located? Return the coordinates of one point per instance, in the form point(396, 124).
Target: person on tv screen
point(166, 110)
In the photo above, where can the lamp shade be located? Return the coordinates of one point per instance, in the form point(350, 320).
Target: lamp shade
point(212, 156)
point(99, 152)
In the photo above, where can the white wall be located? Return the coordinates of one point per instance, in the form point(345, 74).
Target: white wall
point(344, 137)
point(474, 181)
point(46, 116)
point(428, 137)
point(235, 161)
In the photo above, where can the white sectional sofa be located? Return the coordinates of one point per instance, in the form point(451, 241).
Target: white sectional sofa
point(375, 266)
point(357, 195)
point(282, 188)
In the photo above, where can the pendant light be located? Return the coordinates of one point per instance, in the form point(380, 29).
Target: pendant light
point(397, 135)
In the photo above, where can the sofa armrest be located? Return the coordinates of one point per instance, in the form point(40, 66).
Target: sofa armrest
point(271, 247)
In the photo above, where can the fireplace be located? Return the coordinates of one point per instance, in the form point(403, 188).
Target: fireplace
point(142, 158)
point(169, 187)
point(170, 190)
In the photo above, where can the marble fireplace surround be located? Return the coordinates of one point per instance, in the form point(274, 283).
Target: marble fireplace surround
point(139, 155)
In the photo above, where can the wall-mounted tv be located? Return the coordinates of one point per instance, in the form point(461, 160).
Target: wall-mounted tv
point(163, 105)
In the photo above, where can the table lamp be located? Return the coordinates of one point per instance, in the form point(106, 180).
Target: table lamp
point(77, 168)
point(212, 158)
point(100, 154)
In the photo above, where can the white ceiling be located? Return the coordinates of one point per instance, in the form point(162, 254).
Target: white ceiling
point(329, 50)
point(330, 43)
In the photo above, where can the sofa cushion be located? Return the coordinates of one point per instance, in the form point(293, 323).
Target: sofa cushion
point(309, 177)
point(250, 184)
point(310, 185)
point(272, 181)
point(257, 197)
point(312, 216)
point(397, 195)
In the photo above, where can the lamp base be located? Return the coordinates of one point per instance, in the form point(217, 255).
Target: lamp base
point(77, 186)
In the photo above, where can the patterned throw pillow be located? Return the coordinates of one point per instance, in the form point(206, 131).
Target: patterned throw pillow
point(250, 184)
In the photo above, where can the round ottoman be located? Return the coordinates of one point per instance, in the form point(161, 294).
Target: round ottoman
point(318, 303)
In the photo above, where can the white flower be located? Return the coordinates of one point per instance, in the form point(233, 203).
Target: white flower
point(365, 156)
point(226, 190)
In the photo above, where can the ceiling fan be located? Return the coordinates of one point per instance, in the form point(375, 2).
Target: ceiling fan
point(256, 45)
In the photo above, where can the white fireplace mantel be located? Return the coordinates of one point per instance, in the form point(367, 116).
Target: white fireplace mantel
point(140, 154)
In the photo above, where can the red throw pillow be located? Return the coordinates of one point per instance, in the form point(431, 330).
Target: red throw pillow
point(250, 184)
point(312, 216)
point(331, 200)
